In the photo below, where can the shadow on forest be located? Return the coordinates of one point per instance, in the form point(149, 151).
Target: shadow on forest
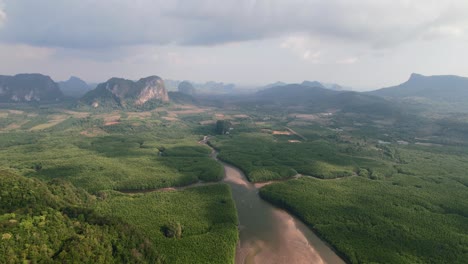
point(192, 161)
point(116, 146)
point(56, 172)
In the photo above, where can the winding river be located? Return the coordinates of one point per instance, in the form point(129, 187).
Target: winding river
point(268, 234)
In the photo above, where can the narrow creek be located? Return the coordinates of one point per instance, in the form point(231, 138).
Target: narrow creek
point(268, 234)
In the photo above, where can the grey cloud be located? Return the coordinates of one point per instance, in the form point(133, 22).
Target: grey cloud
point(105, 23)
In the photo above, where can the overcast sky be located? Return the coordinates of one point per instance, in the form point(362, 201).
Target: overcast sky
point(360, 43)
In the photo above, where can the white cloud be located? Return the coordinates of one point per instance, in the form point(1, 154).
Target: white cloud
point(303, 47)
point(444, 32)
point(2, 15)
point(349, 60)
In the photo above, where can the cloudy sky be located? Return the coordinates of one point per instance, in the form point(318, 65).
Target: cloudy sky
point(361, 43)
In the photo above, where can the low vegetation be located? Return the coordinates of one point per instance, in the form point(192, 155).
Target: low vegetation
point(57, 203)
point(195, 225)
point(419, 215)
point(130, 155)
point(383, 189)
point(264, 157)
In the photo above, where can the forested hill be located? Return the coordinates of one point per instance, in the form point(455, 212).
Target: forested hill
point(294, 93)
point(54, 223)
point(448, 88)
point(299, 97)
point(28, 88)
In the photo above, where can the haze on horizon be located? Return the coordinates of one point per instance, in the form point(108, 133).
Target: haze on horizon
point(365, 44)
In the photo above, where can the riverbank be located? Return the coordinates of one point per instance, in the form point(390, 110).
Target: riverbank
point(269, 234)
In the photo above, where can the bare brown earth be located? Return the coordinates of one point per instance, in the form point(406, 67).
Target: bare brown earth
point(207, 122)
point(168, 118)
point(53, 120)
point(93, 132)
point(111, 123)
point(14, 126)
point(139, 115)
point(16, 112)
point(77, 114)
point(286, 133)
point(308, 117)
point(110, 117)
point(189, 111)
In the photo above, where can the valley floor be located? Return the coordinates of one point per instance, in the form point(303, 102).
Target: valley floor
point(100, 154)
point(401, 197)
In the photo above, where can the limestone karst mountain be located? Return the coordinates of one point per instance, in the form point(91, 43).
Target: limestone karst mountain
point(29, 88)
point(121, 93)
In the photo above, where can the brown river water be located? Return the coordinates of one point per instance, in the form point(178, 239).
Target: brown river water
point(268, 235)
point(271, 235)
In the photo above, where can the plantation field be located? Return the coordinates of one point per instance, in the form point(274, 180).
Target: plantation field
point(134, 154)
point(93, 154)
point(418, 215)
point(374, 199)
point(264, 157)
point(378, 190)
point(206, 215)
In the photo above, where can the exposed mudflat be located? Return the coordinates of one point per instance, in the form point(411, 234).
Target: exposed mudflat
point(271, 235)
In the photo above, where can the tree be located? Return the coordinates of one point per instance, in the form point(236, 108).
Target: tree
point(223, 126)
point(173, 230)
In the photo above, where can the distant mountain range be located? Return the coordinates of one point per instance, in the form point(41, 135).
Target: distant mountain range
point(446, 93)
point(293, 93)
point(313, 97)
point(271, 85)
point(215, 87)
point(441, 92)
point(330, 86)
point(29, 88)
point(448, 88)
point(337, 87)
point(210, 87)
point(74, 87)
point(121, 93)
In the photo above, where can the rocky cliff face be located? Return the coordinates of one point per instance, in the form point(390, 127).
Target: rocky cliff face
point(153, 88)
point(28, 88)
point(121, 93)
